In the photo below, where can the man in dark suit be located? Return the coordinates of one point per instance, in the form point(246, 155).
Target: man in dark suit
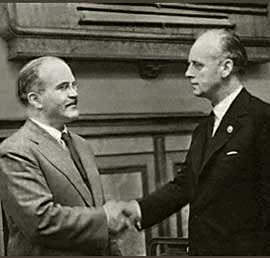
point(227, 176)
point(49, 183)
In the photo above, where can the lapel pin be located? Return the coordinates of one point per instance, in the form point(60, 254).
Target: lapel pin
point(230, 129)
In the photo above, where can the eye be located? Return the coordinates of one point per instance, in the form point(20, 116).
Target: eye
point(67, 85)
point(62, 86)
point(198, 66)
point(74, 85)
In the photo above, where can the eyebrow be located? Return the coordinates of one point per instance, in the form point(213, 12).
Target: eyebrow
point(195, 62)
point(74, 83)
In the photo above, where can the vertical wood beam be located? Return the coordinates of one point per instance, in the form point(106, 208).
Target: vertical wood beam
point(161, 175)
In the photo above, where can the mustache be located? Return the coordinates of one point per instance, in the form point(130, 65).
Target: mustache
point(73, 102)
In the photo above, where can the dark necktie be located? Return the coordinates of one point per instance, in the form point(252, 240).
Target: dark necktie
point(208, 133)
point(210, 125)
point(74, 155)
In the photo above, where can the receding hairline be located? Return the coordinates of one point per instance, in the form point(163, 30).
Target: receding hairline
point(225, 43)
point(30, 76)
point(214, 38)
point(38, 62)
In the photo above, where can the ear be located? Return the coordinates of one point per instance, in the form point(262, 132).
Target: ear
point(34, 100)
point(227, 68)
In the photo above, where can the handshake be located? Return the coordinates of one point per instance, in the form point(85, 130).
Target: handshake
point(121, 216)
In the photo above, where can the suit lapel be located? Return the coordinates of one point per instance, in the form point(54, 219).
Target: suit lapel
point(222, 136)
point(229, 126)
point(90, 167)
point(60, 158)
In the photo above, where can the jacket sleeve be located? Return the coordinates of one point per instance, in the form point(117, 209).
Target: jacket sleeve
point(30, 204)
point(168, 199)
point(263, 152)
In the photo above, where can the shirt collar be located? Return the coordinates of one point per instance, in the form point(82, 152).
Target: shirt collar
point(56, 134)
point(221, 108)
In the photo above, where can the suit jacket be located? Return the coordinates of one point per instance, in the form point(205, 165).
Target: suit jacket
point(49, 209)
point(227, 186)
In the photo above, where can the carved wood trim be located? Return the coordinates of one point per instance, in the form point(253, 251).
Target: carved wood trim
point(112, 18)
point(96, 49)
point(150, 69)
point(122, 124)
point(29, 47)
point(154, 8)
point(177, 25)
point(242, 8)
point(15, 28)
point(177, 166)
point(191, 9)
point(160, 168)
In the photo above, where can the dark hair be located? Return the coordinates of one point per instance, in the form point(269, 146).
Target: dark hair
point(29, 79)
point(232, 48)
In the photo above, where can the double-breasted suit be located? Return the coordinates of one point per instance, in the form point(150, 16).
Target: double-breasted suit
point(49, 209)
point(226, 182)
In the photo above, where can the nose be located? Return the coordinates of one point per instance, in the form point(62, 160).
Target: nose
point(188, 73)
point(73, 92)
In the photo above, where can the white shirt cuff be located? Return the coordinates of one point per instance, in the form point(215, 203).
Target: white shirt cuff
point(107, 213)
point(139, 214)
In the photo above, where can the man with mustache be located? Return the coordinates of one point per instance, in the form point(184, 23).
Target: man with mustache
point(226, 180)
point(49, 182)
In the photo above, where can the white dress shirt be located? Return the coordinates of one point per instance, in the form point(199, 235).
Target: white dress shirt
point(56, 134)
point(222, 107)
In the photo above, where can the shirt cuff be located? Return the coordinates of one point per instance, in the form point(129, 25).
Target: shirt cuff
point(107, 214)
point(137, 222)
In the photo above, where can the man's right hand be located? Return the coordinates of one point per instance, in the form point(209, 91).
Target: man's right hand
point(133, 211)
point(118, 221)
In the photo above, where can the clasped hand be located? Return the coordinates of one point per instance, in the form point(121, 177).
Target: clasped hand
point(121, 216)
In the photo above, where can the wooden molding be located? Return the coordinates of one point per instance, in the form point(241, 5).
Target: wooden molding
point(121, 124)
point(150, 69)
point(145, 32)
point(96, 49)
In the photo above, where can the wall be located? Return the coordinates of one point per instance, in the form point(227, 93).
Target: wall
point(116, 87)
point(107, 87)
point(117, 84)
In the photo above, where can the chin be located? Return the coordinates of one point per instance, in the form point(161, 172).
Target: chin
point(197, 93)
point(72, 116)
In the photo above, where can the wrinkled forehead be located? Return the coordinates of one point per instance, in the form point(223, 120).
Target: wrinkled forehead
point(54, 72)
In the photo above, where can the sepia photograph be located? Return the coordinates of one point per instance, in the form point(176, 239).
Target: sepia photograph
point(135, 129)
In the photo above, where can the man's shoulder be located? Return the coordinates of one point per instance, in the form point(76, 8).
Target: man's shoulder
point(202, 124)
point(16, 141)
point(259, 106)
point(259, 111)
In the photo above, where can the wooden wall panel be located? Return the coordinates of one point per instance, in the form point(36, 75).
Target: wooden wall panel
point(176, 150)
point(122, 160)
point(128, 177)
point(126, 183)
point(133, 166)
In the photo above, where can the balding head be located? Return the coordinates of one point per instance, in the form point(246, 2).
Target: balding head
point(29, 77)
